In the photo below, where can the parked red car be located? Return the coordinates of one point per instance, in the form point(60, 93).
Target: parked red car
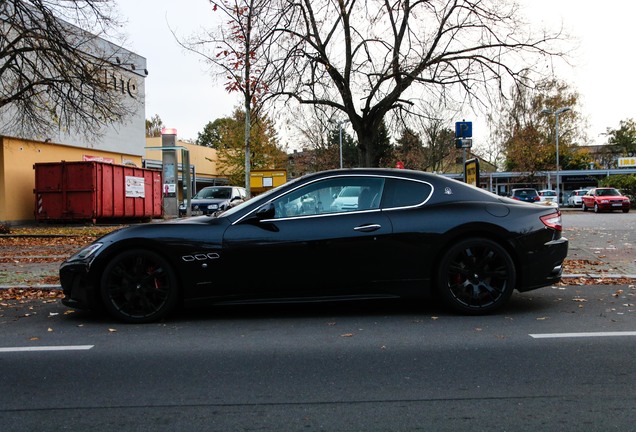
point(605, 199)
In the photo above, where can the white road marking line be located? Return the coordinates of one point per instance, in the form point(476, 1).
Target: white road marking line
point(48, 348)
point(576, 335)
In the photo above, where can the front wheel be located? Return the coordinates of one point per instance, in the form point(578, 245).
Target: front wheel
point(476, 276)
point(139, 286)
point(584, 207)
point(596, 209)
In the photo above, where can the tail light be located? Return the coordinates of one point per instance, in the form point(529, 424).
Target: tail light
point(553, 220)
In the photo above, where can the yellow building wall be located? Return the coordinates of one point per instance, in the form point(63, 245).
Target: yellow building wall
point(17, 176)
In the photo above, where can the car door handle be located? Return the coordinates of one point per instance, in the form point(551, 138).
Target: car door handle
point(368, 228)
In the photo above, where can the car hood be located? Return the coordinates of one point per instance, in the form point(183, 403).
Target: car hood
point(185, 227)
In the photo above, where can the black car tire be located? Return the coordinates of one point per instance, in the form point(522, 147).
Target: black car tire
point(476, 276)
point(596, 209)
point(139, 286)
point(584, 207)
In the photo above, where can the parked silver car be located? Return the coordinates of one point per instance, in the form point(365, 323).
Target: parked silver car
point(212, 199)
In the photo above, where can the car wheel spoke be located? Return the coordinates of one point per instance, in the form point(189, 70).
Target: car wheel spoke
point(476, 277)
point(138, 287)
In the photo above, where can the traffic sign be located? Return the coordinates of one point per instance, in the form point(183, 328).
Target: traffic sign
point(463, 129)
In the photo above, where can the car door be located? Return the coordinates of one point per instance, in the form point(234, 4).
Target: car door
point(309, 248)
point(588, 198)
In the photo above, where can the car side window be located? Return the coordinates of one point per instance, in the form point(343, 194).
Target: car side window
point(405, 193)
point(328, 196)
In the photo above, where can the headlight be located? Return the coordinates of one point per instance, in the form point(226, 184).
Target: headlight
point(213, 206)
point(86, 252)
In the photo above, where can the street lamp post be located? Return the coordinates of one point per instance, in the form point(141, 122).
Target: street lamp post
point(340, 123)
point(556, 118)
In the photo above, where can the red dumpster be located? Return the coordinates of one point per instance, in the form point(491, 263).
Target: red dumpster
point(92, 191)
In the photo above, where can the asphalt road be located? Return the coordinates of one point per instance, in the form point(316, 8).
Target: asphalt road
point(559, 358)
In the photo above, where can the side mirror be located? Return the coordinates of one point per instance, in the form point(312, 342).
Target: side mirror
point(266, 211)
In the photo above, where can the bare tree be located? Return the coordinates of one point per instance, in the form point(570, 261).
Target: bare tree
point(57, 72)
point(240, 48)
point(370, 58)
point(439, 143)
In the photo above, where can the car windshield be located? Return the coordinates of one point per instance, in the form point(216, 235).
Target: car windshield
point(526, 192)
point(219, 193)
point(607, 192)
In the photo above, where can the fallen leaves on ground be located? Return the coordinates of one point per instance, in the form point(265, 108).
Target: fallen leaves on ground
point(20, 294)
point(63, 230)
point(572, 266)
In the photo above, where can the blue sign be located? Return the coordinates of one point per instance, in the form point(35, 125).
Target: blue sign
point(463, 129)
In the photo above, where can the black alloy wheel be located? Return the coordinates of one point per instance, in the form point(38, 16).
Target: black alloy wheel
point(139, 286)
point(476, 276)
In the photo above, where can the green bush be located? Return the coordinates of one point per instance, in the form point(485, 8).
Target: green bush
point(626, 183)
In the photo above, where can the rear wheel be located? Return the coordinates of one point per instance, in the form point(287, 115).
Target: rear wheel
point(139, 286)
point(476, 276)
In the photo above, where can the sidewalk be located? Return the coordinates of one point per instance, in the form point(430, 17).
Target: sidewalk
point(600, 246)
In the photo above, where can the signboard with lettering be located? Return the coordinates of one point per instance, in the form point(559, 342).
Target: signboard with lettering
point(471, 172)
point(135, 187)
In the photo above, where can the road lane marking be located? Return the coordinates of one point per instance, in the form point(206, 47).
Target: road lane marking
point(577, 335)
point(48, 348)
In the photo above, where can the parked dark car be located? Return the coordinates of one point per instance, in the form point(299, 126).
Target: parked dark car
point(525, 194)
point(605, 199)
point(411, 234)
point(212, 199)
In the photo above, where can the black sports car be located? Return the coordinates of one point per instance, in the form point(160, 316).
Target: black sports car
point(407, 234)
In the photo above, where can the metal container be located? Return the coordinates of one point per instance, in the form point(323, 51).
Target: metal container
point(96, 191)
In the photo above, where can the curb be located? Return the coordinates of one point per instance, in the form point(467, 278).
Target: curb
point(565, 276)
point(43, 286)
point(598, 276)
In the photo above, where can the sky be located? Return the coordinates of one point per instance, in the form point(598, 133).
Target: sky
point(181, 89)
